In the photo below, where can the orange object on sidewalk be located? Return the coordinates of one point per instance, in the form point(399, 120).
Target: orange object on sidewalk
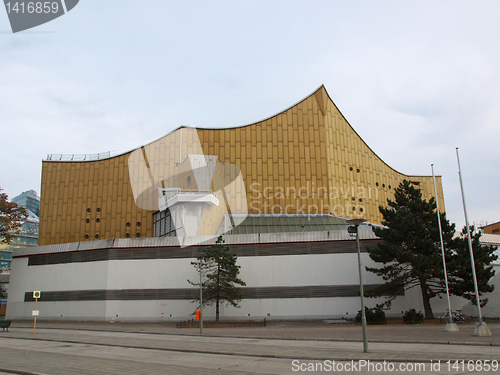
point(198, 313)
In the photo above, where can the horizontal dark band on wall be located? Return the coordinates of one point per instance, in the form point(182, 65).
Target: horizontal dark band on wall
point(315, 291)
point(334, 247)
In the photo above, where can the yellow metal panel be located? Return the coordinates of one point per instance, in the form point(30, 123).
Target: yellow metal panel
point(303, 145)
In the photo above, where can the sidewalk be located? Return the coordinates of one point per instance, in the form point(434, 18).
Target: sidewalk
point(306, 340)
point(247, 347)
point(298, 330)
point(90, 348)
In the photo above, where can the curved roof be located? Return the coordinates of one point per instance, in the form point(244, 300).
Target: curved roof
point(103, 156)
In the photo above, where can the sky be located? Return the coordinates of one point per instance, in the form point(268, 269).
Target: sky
point(415, 79)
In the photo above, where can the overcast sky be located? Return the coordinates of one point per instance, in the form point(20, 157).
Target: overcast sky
point(415, 79)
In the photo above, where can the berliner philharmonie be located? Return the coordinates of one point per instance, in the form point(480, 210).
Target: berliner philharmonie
point(118, 233)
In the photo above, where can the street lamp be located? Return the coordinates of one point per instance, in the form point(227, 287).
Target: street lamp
point(200, 257)
point(351, 230)
point(451, 326)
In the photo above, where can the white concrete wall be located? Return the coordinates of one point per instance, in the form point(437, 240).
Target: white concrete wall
point(291, 270)
point(150, 273)
point(310, 269)
point(58, 277)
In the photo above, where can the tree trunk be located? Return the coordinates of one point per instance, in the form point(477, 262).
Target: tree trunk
point(217, 310)
point(426, 299)
point(218, 295)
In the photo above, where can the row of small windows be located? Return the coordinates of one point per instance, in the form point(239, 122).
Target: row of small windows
point(377, 184)
point(137, 224)
point(98, 220)
point(96, 236)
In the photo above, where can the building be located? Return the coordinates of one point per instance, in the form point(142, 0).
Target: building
point(306, 159)
point(492, 228)
point(28, 236)
point(30, 200)
point(310, 274)
point(118, 234)
point(5, 259)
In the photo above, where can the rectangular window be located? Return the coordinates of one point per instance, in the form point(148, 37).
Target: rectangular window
point(163, 224)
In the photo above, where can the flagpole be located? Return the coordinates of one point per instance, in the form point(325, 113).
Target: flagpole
point(481, 328)
point(450, 325)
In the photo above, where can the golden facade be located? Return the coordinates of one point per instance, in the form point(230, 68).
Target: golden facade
point(492, 228)
point(305, 160)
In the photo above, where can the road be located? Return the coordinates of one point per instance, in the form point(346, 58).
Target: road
point(67, 351)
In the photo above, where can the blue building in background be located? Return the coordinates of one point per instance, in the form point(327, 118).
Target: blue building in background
point(30, 200)
point(28, 235)
point(5, 259)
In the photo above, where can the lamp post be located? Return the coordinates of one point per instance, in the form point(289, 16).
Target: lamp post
point(357, 223)
point(451, 326)
point(200, 257)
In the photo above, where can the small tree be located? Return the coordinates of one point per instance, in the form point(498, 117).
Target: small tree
point(11, 218)
point(460, 269)
point(410, 252)
point(220, 271)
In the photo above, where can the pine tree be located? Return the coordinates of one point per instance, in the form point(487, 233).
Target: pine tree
point(410, 250)
point(220, 272)
point(460, 270)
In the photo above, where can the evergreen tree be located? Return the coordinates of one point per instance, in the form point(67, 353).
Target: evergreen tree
point(410, 251)
point(220, 271)
point(460, 270)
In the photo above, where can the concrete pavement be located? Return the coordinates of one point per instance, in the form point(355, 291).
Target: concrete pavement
point(160, 348)
point(299, 330)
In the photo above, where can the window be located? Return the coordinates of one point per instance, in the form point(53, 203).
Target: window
point(164, 225)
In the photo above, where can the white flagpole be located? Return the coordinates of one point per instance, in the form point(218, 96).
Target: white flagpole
point(479, 318)
point(450, 325)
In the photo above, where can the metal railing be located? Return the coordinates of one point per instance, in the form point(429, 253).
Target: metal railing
point(78, 157)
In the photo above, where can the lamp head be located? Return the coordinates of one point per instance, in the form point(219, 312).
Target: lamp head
point(356, 222)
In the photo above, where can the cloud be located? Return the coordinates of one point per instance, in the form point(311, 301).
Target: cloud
point(415, 80)
point(43, 114)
